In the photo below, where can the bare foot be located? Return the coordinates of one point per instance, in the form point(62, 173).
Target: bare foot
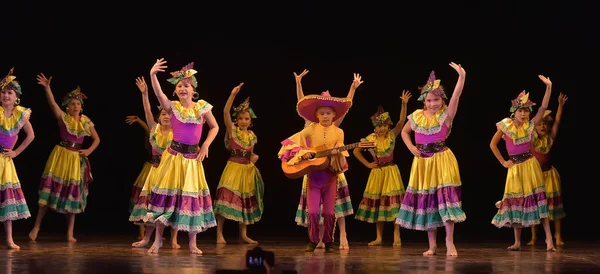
point(246, 239)
point(397, 240)
point(195, 250)
point(155, 247)
point(344, 243)
point(140, 244)
point(175, 245)
point(221, 239)
point(320, 245)
point(559, 241)
point(376, 242)
point(451, 250)
point(515, 247)
point(550, 246)
point(71, 239)
point(12, 245)
point(33, 234)
point(429, 252)
point(532, 242)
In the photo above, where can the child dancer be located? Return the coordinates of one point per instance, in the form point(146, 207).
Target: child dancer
point(433, 195)
point(240, 190)
point(13, 118)
point(383, 193)
point(524, 202)
point(543, 139)
point(180, 197)
point(159, 138)
point(323, 110)
point(67, 175)
point(141, 178)
point(343, 204)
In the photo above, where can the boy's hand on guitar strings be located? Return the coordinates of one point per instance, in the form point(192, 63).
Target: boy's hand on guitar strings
point(308, 155)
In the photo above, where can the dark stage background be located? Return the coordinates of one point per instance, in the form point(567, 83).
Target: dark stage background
point(103, 47)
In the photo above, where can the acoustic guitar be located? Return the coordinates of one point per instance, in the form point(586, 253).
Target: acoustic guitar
point(319, 161)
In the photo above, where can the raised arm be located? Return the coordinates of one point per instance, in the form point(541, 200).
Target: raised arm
point(143, 87)
point(95, 142)
point(558, 117)
point(402, 119)
point(45, 82)
point(212, 133)
point(162, 98)
point(355, 83)
point(29, 136)
point(496, 151)
point(299, 91)
point(540, 112)
point(406, 130)
point(227, 109)
point(460, 83)
point(135, 119)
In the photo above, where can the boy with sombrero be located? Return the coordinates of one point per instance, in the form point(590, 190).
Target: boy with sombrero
point(323, 110)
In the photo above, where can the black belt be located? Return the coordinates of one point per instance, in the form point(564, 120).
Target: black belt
point(241, 153)
point(155, 160)
point(69, 144)
point(432, 147)
point(519, 158)
point(184, 148)
point(389, 163)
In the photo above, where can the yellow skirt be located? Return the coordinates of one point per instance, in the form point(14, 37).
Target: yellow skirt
point(138, 185)
point(180, 196)
point(382, 197)
point(12, 201)
point(553, 194)
point(65, 181)
point(434, 193)
point(524, 201)
point(240, 193)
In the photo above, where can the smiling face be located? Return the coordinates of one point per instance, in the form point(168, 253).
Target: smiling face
point(8, 97)
point(184, 90)
point(164, 118)
point(243, 120)
point(433, 102)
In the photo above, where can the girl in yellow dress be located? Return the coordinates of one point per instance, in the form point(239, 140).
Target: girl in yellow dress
point(384, 190)
point(179, 196)
point(543, 139)
point(524, 202)
point(434, 194)
point(13, 118)
point(159, 138)
point(67, 175)
point(241, 188)
point(343, 204)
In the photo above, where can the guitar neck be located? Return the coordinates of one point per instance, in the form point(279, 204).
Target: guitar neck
point(343, 148)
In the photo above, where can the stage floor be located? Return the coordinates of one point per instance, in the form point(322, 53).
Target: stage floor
point(114, 255)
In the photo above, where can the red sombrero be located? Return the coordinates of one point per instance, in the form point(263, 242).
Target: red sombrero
point(307, 106)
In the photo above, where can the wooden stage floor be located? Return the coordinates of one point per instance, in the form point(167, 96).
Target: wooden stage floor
point(114, 255)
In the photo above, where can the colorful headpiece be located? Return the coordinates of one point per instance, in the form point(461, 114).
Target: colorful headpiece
point(381, 117)
point(308, 105)
point(75, 94)
point(159, 108)
point(522, 101)
point(244, 106)
point(185, 74)
point(547, 118)
point(432, 86)
point(9, 82)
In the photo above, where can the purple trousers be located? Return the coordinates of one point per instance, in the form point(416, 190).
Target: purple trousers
point(322, 186)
